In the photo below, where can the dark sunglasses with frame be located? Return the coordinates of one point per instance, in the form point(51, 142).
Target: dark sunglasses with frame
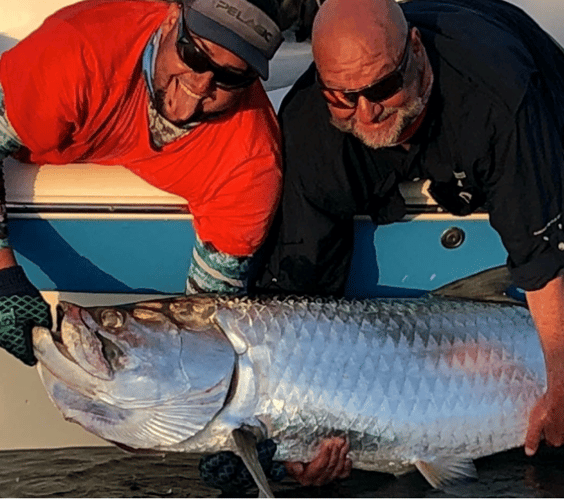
point(197, 60)
point(378, 91)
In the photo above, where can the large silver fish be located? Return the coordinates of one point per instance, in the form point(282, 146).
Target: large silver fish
point(430, 383)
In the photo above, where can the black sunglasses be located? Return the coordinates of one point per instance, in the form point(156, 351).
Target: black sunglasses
point(197, 60)
point(380, 90)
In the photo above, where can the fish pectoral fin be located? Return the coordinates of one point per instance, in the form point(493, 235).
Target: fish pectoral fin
point(246, 444)
point(446, 472)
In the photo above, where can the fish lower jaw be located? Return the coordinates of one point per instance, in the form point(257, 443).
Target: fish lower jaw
point(43, 338)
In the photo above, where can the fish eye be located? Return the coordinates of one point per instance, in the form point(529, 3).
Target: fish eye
point(111, 318)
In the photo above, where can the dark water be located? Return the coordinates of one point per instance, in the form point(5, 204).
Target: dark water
point(110, 472)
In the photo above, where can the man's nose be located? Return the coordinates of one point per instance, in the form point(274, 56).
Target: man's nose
point(202, 82)
point(368, 111)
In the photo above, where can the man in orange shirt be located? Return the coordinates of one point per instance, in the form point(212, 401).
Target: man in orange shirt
point(172, 92)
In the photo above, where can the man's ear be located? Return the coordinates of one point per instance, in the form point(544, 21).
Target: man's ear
point(416, 42)
point(174, 12)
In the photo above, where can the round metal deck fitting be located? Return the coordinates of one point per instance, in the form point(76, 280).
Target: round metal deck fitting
point(453, 237)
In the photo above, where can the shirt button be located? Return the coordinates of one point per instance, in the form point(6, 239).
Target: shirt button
point(561, 246)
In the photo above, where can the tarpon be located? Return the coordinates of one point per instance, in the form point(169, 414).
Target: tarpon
point(428, 383)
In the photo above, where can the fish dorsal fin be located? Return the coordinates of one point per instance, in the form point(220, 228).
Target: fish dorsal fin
point(246, 444)
point(491, 285)
point(446, 472)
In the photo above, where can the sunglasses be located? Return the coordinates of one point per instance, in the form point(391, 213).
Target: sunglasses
point(382, 89)
point(197, 60)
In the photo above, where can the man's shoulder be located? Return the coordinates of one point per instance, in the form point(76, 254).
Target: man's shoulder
point(97, 23)
point(107, 23)
point(302, 90)
point(500, 12)
point(313, 147)
point(492, 48)
point(90, 12)
point(491, 36)
point(95, 41)
point(303, 113)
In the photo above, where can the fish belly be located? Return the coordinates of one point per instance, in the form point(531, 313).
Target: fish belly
point(403, 380)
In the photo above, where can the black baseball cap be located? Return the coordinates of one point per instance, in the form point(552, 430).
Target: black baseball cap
point(241, 26)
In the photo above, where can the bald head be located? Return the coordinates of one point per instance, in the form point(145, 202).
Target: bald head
point(350, 38)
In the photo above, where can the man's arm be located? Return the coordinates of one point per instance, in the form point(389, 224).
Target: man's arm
point(527, 209)
point(21, 304)
point(9, 144)
point(215, 271)
point(310, 245)
point(547, 418)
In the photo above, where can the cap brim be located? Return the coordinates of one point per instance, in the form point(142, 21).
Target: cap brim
point(215, 32)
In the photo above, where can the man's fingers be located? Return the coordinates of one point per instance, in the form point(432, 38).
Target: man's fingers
point(329, 464)
point(309, 474)
point(320, 470)
point(336, 446)
point(347, 469)
point(344, 464)
point(295, 469)
point(328, 471)
point(553, 436)
point(535, 430)
point(533, 439)
point(530, 448)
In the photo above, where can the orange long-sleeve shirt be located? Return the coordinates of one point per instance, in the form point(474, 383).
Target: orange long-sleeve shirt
point(74, 92)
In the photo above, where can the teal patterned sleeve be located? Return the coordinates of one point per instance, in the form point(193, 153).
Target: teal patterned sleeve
point(9, 143)
point(215, 271)
point(9, 140)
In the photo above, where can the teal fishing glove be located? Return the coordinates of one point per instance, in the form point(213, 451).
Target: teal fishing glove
point(21, 308)
point(227, 472)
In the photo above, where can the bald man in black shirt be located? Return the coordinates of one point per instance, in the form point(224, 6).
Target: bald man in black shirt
point(466, 93)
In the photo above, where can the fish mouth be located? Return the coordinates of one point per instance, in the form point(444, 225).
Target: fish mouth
point(77, 339)
point(58, 341)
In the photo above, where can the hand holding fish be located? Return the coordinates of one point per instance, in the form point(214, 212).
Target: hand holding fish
point(547, 420)
point(547, 416)
point(331, 463)
point(21, 308)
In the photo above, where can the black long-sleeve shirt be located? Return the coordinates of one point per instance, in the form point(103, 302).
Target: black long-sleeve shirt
point(493, 137)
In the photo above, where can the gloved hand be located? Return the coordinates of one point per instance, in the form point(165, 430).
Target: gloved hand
point(227, 472)
point(21, 308)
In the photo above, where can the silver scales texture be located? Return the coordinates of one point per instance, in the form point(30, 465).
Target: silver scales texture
point(404, 379)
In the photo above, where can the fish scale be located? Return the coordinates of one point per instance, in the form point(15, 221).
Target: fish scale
point(404, 379)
